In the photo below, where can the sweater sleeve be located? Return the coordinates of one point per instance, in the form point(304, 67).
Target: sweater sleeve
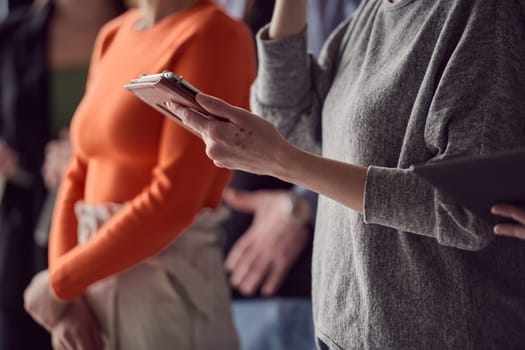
point(477, 109)
point(183, 178)
point(291, 85)
point(71, 191)
point(63, 232)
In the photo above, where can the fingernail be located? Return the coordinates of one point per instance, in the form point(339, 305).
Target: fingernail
point(497, 229)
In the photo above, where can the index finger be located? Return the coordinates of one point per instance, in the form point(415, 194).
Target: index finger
point(189, 117)
point(221, 108)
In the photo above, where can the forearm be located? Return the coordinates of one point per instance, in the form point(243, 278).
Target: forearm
point(342, 182)
point(388, 195)
point(289, 18)
point(63, 233)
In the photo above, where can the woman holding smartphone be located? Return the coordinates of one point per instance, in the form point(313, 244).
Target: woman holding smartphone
point(397, 264)
point(136, 182)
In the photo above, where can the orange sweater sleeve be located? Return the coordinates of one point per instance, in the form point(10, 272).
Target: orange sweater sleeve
point(72, 186)
point(182, 178)
point(71, 191)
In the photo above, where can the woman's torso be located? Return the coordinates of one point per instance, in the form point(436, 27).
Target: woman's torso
point(397, 289)
point(113, 130)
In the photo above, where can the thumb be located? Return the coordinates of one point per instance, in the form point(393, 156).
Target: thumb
point(218, 107)
point(242, 201)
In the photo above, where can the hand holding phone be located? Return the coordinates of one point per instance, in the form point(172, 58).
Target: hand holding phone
point(159, 90)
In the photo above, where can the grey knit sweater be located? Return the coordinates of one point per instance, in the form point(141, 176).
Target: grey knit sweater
point(402, 84)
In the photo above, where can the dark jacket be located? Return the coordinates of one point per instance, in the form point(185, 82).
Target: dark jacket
point(24, 125)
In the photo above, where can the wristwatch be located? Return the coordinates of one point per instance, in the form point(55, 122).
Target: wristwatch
point(297, 208)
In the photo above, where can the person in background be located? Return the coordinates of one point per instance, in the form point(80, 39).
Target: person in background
point(396, 263)
point(322, 18)
point(135, 257)
point(45, 47)
point(269, 235)
point(236, 8)
point(270, 239)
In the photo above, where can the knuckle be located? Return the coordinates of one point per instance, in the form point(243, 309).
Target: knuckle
point(219, 164)
point(212, 151)
point(214, 131)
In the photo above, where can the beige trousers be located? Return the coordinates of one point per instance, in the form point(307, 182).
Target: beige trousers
point(178, 299)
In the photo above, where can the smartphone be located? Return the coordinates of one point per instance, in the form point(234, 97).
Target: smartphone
point(157, 90)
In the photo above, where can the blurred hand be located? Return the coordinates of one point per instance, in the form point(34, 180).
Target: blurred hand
point(8, 160)
point(247, 142)
point(58, 153)
point(514, 212)
point(41, 303)
point(264, 254)
point(77, 330)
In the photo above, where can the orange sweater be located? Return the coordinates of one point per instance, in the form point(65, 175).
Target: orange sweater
point(127, 152)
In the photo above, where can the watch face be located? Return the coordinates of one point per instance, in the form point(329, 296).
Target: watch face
point(298, 208)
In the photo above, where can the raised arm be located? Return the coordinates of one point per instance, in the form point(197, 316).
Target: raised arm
point(289, 18)
point(291, 85)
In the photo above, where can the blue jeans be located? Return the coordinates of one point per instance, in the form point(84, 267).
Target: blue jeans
point(276, 324)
